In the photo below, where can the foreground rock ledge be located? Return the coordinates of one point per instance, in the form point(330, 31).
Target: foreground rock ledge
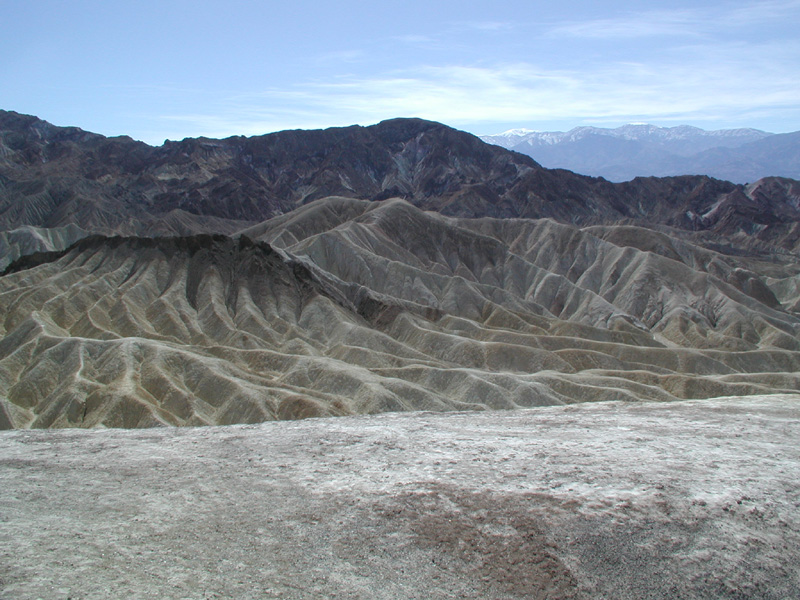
point(696, 499)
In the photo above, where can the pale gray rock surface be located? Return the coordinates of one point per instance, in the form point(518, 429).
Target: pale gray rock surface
point(694, 499)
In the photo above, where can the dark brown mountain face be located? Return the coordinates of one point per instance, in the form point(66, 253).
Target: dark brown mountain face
point(52, 171)
point(54, 176)
point(402, 266)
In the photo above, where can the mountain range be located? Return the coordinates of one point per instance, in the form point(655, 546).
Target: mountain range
point(621, 154)
point(401, 266)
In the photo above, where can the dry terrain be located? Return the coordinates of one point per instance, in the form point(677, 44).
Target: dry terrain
point(348, 307)
point(398, 267)
point(692, 499)
point(648, 333)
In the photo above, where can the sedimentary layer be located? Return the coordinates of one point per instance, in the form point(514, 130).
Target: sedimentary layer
point(348, 306)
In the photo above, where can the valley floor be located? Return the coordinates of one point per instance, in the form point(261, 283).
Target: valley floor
point(693, 499)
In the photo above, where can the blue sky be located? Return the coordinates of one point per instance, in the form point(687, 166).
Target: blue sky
point(169, 70)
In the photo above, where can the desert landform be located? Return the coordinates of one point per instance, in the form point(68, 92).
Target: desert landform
point(403, 266)
point(393, 291)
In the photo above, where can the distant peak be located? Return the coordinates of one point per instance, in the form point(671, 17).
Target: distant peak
point(518, 131)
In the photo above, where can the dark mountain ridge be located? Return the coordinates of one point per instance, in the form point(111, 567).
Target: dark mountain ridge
point(53, 177)
point(255, 178)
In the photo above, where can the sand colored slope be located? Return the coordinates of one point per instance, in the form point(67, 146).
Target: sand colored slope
point(695, 298)
point(348, 306)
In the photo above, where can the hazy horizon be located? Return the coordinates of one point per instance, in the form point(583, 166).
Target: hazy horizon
point(158, 71)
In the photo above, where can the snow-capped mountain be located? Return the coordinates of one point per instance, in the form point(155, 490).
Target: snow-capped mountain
point(512, 137)
point(683, 138)
point(620, 154)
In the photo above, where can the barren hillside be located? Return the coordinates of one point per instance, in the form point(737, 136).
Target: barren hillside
point(348, 306)
point(402, 266)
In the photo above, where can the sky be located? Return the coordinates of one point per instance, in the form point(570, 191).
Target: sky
point(159, 70)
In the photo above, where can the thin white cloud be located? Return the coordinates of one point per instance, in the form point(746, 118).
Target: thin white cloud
point(721, 86)
point(698, 80)
point(730, 78)
point(633, 25)
point(754, 13)
point(700, 21)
